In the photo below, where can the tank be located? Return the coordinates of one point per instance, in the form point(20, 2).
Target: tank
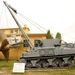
point(49, 53)
point(45, 53)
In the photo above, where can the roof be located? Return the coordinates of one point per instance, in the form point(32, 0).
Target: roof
point(12, 28)
point(30, 34)
point(8, 28)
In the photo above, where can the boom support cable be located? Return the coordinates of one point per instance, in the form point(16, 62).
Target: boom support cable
point(6, 17)
point(19, 19)
point(32, 22)
point(3, 7)
point(1, 13)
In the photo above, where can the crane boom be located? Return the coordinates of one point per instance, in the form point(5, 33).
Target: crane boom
point(21, 29)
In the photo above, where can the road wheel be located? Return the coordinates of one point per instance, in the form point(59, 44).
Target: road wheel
point(38, 65)
point(58, 63)
point(28, 65)
point(45, 64)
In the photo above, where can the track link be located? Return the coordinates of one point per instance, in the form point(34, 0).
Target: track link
point(52, 68)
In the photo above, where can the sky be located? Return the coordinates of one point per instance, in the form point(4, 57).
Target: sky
point(53, 15)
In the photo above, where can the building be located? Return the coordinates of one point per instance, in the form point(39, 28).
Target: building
point(18, 50)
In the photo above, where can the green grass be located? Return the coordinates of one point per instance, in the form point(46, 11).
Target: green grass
point(54, 72)
point(8, 66)
point(71, 68)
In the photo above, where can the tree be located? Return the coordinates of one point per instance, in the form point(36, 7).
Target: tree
point(49, 36)
point(58, 35)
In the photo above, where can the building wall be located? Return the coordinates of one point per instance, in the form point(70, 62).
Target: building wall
point(15, 53)
point(8, 30)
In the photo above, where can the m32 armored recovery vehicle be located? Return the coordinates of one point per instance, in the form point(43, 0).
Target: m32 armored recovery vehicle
point(45, 53)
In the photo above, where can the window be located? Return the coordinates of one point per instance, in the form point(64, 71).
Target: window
point(11, 31)
point(16, 31)
point(25, 43)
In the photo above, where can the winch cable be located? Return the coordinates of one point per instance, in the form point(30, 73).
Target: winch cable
point(1, 13)
point(6, 18)
point(19, 19)
point(3, 7)
point(32, 22)
point(26, 20)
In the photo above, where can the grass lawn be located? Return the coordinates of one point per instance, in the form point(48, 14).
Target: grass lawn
point(6, 69)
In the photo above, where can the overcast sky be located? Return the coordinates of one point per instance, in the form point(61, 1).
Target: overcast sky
point(56, 15)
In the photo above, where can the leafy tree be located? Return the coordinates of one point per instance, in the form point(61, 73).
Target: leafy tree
point(49, 36)
point(58, 35)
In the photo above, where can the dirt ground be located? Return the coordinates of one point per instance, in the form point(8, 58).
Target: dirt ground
point(6, 71)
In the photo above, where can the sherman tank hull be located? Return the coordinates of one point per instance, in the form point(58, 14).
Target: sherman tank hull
point(55, 56)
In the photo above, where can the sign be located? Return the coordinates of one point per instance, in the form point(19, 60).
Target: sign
point(19, 68)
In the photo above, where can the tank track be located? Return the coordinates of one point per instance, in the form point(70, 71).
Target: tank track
point(51, 68)
point(58, 63)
